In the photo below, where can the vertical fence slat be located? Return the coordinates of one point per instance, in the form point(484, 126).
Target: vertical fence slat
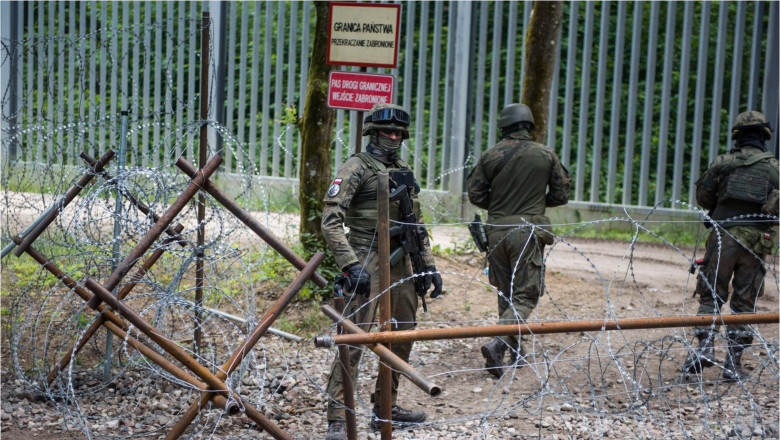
point(70, 99)
point(571, 72)
point(682, 106)
point(633, 85)
point(135, 89)
point(242, 63)
point(552, 118)
point(145, 110)
point(230, 80)
point(57, 114)
point(460, 125)
point(305, 19)
point(433, 121)
point(755, 55)
point(495, 65)
point(449, 69)
point(617, 86)
point(253, 79)
point(698, 114)
point(180, 85)
point(479, 86)
point(663, 135)
point(509, 70)
point(736, 62)
point(267, 33)
point(278, 87)
point(408, 62)
point(291, 68)
point(717, 82)
point(158, 43)
point(647, 114)
point(601, 81)
point(584, 104)
point(771, 87)
point(422, 62)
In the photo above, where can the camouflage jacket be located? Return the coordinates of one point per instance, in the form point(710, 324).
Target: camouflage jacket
point(512, 178)
point(736, 184)
point(349, 201)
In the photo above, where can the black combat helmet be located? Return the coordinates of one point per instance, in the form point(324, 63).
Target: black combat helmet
point(515, 114)
point(388, 117)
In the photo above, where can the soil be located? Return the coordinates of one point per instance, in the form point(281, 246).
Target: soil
point(572, 385)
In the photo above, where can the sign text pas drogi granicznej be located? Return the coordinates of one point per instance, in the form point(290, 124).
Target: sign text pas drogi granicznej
point(364, 34)
point(359, 91)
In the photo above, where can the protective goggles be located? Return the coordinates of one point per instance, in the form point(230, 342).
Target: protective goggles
point(388, 115)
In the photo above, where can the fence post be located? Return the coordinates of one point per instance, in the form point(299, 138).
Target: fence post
point(460, 128)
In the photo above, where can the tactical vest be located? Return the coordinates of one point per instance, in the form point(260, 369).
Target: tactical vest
point(745, 188)
point(363, 214)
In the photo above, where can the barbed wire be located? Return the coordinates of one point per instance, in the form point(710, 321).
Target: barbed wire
point(598, 384)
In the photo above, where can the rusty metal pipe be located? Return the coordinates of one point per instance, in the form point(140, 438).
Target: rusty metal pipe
point(130, 197)
point(65, 201)
point(156, 335)
point(235, 360)
point(230, 406)
point(69, 282)
point(547, 328)
point(346, 376)
point(243, 216)
point(154, 232)
point(90, 331)
point(384, 353)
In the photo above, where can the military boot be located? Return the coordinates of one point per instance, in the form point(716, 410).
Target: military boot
point(702, 357)
point(732, 368)
point(401, 417)
point(493, 352)
point(337, 430)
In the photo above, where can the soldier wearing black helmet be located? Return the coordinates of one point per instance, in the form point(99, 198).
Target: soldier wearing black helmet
point(740, 189)
point(515, 181)
point(351, 201)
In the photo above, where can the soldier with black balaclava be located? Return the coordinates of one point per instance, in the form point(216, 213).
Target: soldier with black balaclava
point(351, 201)
point(740, 190)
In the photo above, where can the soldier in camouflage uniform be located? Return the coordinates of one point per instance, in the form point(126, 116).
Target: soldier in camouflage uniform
point(511, 182)
point(737, 188)
point(351, 201)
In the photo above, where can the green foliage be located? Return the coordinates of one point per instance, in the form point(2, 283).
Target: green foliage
point(312, 322)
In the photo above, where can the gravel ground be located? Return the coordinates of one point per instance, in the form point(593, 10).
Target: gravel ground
point(572, 386)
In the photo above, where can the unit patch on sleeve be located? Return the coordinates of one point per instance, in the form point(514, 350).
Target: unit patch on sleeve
point(335, 188)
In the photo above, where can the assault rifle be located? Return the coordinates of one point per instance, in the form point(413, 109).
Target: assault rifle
point(412, 237)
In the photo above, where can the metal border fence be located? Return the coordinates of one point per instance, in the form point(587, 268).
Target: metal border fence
point(642, 99)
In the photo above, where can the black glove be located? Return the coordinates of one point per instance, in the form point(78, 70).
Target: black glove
point(434, 277)
point(357, 280)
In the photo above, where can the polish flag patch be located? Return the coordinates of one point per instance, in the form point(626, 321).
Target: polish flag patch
point(335, 188)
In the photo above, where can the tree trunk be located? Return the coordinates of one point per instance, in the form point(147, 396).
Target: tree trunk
point(316, 126)
point(541, 45)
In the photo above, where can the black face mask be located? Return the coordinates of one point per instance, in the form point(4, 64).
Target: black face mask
point(385, 156)
point(751, 138)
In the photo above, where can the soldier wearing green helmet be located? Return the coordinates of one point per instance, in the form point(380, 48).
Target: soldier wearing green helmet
point(740, 190)
point(515, 181)
point(351, 201)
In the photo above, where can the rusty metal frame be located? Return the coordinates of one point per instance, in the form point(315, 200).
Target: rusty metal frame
point(541, 328)
point(28, 239)
point(212, 386)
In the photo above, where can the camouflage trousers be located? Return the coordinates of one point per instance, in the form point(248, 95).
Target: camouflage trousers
point(515, 258)
point(735, 261)
point(363, 312)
